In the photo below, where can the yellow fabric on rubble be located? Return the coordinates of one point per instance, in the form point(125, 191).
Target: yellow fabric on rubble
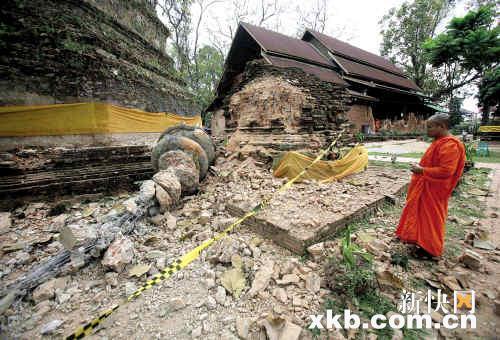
point(84, 118)
point(490, 128)
point(292, 163)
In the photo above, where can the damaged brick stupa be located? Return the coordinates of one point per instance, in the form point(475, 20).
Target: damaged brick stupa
point(282, 93)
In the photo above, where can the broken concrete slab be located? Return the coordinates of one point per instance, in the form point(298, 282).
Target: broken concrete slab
point(309, 212)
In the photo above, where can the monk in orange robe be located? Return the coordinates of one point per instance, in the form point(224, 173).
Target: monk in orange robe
point(434, 178)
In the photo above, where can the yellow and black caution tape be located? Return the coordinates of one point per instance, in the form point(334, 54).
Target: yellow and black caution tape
point(189, 257)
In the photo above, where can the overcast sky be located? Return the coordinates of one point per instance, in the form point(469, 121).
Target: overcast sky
point(354, 21)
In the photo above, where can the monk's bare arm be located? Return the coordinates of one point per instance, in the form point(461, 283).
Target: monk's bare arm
point(449, 155)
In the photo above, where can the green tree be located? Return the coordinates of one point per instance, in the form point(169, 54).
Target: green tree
point(489, 92)
point(454, 107)
point(178, 17)
point(210, 66)
point(473, 42)
point(405, 29)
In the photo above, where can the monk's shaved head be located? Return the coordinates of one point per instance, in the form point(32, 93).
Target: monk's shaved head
point(440, 118)
point(438, 125)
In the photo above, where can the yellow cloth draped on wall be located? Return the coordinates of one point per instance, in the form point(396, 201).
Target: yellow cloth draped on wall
point(84, 118)
point(292, 163)
point(489, 128)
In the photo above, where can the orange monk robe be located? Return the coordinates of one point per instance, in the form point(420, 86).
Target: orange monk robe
point(424, 215)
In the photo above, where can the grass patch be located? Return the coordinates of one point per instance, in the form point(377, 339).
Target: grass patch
point(414, 334)
point(406, 155)
point(396, 165)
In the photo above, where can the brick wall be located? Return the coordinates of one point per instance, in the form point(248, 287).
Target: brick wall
point(361, 115)
point(325, 108)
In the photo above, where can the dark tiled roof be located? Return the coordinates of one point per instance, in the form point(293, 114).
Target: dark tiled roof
point(368, 72)
point(365, 71)
point(352, 52)
point(282, 44)
point(322, 73)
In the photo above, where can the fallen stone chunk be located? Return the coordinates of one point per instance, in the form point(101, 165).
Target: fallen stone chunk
point(226, 250)
point(147, 191)
point(388, 279)
point(130, 288)
point(42, 308)
point(451, 282)
point(111, 279)
point(10, 247)
point(317, 250)
point(211, 303)
point(273, 326)
point(77, 259)
point(496, 306)
point(167, 180)
point(262, 277)
point(313, 282)
point(5, 222)
point(234, 281)
point(50, 327)
point(236, 261)
point(62, 297)
point(204, 217)
point(288, 279)
point(46, 291)
point(22, 257)
point(485, 245)
point(289, 266)
point(59, 221)
point(469, 238)
point(171, 222)
point(243, 327)
point(436, 317)
point(280, 294)
point(456, 219)
point(176, 304)
point(291, 331)
point(478, 192)
point(164, 199)
point(471, 259)
point(397, 334)
point(7, 301)
point(139, 270)
point(278, 328)
point(184, 168)
point(76, 235)
point(131, 206)
point(202, 236)
point(155, 254)
point(220, 295)
point(297, 301)
point(377, 247)
point(157, 219)
point(196, 332)
point(119, 254)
